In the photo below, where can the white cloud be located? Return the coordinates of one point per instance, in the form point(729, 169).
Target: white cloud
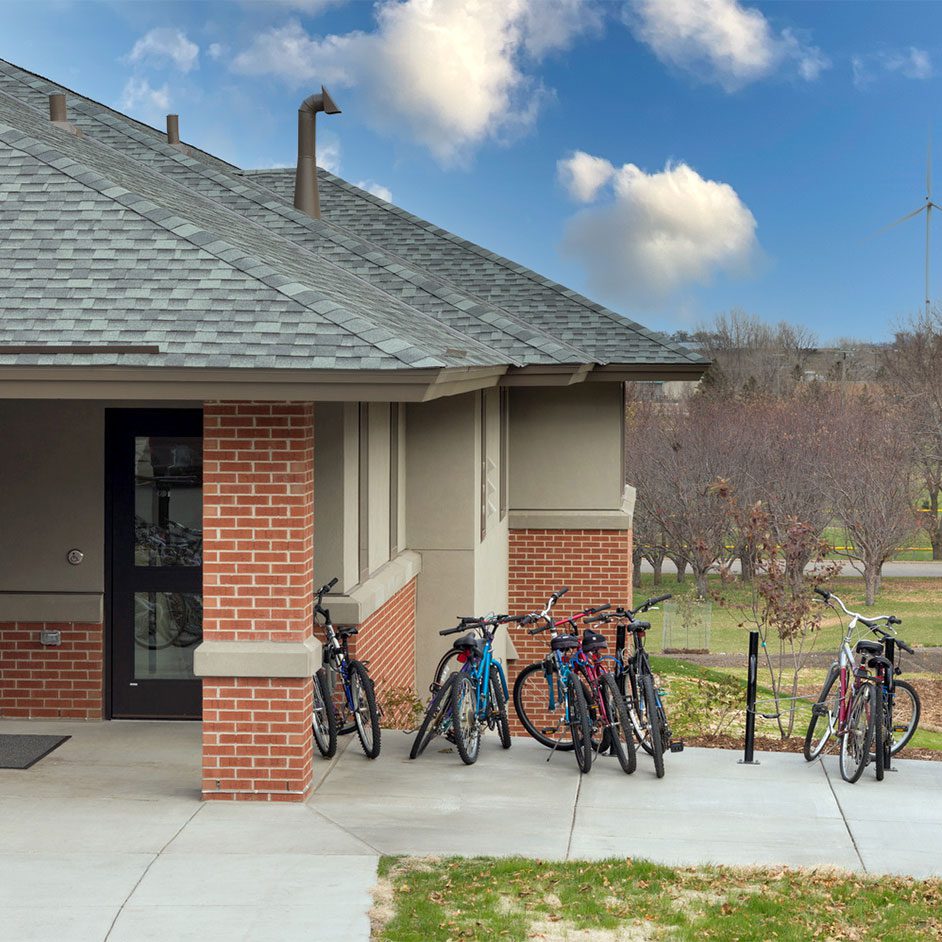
point(584, 175)
point(453, 73)
point(328, 151)
point(912, 63)
point(657, 232)
point(166, 45)
point(216, 51)
point(150, 104)
point(721, 41)
point(377, 189)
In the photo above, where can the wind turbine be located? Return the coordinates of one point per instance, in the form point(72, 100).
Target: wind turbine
point(926, 208)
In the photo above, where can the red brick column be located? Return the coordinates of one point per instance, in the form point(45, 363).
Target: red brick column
point(595, 564)
point(45, 682)
point(258, 570)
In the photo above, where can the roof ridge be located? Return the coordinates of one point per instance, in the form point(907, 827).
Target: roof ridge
point(509, 264)
point(216, 247)
point(18, 71)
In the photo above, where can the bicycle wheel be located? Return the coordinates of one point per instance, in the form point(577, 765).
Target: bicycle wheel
point(532, 694)
point(880, 712)
point(365, 713)
point(824, 717)
point(324, 719)
point(906, 712)
point(653, 724)
point(464, 715)
point(580, 725)
point(858, 734)
point(497, 709)
point(620, 735)
point(447, 665)
point(437, 719)
point(634, 701)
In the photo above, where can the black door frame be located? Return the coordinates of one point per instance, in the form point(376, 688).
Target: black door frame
point(120, 427)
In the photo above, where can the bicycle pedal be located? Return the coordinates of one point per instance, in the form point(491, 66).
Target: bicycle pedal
point(677, 747)
point(819, 709)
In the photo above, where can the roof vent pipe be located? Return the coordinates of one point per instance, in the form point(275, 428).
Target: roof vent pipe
point(173, 129)
point(59, 116)
point(306, 197)
point(57, 112)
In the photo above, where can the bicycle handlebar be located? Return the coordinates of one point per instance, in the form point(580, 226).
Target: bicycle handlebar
point(324, 589)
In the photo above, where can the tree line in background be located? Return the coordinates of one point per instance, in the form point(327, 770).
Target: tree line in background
point(850, 437)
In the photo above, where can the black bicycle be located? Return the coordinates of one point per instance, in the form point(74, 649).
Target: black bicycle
point(637, 683)
point(355, 707)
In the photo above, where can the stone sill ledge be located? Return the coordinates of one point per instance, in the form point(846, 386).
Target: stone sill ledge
point(355, 606)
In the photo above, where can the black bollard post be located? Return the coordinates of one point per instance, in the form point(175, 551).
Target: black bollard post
point(747, 758)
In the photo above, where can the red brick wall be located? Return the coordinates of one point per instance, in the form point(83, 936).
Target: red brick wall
point(387, 640)
point(257, 738)
point(595, 564)
point(258, 572)
point(39, 681)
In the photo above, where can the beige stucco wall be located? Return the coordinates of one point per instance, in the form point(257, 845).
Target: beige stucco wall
point(567, 447)
point(461, 573)
point(52, 500)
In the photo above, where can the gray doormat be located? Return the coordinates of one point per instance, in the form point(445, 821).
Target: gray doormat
point(20, 751)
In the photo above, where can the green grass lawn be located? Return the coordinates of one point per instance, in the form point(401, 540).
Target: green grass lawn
point(424, 900)
point(918, 602)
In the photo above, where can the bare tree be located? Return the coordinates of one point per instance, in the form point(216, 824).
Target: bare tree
point(872, 481)
point(752, 358)
point(913, 373)
point(676, 459)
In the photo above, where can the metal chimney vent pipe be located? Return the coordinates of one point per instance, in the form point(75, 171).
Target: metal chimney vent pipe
point(173, 129)
point(306, 197)
point(57, 111)
point(59, 116)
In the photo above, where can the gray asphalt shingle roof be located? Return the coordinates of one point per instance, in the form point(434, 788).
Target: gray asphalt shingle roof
point(117, 237)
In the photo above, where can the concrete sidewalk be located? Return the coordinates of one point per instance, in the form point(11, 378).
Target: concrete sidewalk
point(106, 837)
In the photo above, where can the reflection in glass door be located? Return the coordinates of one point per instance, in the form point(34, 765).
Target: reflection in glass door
point(155, 487)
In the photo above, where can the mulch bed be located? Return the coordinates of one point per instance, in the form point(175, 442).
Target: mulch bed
point(767, 744)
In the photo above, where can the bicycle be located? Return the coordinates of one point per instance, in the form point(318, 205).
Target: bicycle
point(854, 705)
point(355, 708)
point(606, 704)
point(477, 691)
point(644, 699)
point(549, 696)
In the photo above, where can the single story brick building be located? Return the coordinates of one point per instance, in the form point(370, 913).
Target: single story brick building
point(212, 401)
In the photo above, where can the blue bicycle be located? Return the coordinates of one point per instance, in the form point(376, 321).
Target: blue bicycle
point(478, 692)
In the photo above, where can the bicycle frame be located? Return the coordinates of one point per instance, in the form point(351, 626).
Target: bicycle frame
point(479, 670)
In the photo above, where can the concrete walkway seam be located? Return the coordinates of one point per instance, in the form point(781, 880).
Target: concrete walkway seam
point(840, 808)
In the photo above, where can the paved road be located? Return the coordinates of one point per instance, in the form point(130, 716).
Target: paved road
point(903, 569)
point(106, 839)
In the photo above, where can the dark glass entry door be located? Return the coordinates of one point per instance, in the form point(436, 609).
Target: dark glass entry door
point(155, 494)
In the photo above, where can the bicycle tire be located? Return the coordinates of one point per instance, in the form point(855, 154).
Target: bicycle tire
point(435, 714)
point(447, 664)
point(324, 719)
point(464, 717)
point(533, 689)
point(580, 725)
point(498, 709)
point(915, 712)
point(620, 734)
point(813, 748)
point(368, 731)
point(653, 724)
point(857, 736)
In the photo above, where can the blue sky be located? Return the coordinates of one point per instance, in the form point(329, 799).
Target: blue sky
point(671, 158)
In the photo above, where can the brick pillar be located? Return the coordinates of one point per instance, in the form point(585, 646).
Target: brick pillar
point(595, 564)
point(258, 551)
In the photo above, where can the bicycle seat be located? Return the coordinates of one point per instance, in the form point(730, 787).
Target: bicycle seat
point(883, 662)
point(470, 643)
point(869, 647)
point(347, 631)
point(639, 626)
point(593, 641)
point(564, 643)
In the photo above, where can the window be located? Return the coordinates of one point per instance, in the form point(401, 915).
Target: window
point(490, 458)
